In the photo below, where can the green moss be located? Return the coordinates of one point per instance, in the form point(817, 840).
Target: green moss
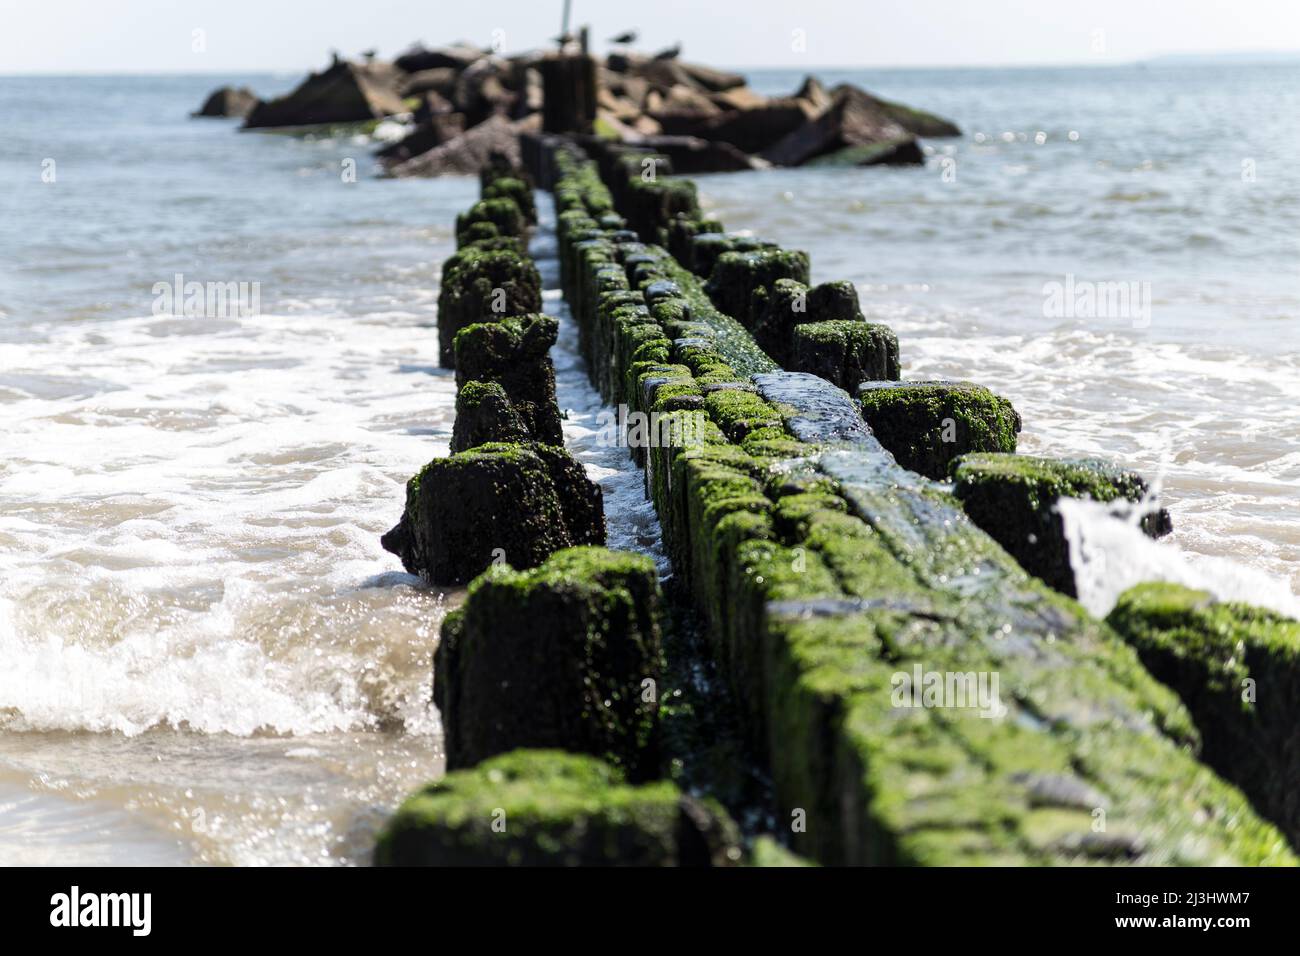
point(547, 808)
point(483, 285)
point(583, 632)
point(515, 353)
point(928, 424)
point(766, 852)
point(514, 502)
point(508, 187)
point(651, 203)
point(845, 353)
point(1014, 499)
point(740, 413)
point(869, 154)
point(737, 275)
point(503, 212)
point(484, 413)
point(1237, 668)
point(919, 122)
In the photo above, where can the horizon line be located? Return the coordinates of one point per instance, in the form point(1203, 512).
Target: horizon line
point(807, 68)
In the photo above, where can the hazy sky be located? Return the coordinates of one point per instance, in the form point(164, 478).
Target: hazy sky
point(61, 36)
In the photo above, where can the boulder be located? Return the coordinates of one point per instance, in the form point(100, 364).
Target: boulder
point(691, 155)
point(518, 503)
point(620, 108)
point(813, 93)
point(432, 131)
point(715, 81)
point(1014, 499)
point(480, 90)
point(432, 103)
point(626, 61)
point(634, 88)
point(466, 154)
point(741, 98)
point(456, 57)
point(581, 636)
point(757, 128)
point(853, 119)
point(925, 425)
point(916, 122)
point(441, 80)
point(228, 101)
point(514, 352)
point(904, 152)
point(666, 75)
point(345, 93)
point(549, 808)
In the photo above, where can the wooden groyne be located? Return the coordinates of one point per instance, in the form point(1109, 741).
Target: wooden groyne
point(911, 691)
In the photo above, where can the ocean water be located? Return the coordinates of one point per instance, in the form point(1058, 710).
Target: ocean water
point(208, 658)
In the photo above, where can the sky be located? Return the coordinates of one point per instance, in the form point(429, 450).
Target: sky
point(220, 36)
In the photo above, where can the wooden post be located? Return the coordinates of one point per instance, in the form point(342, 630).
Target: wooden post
point(568, 92)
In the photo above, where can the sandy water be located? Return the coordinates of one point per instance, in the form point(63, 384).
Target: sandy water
point(206, 655)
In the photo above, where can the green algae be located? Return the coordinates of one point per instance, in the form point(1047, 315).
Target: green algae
point(845, 352)
point(517, 503)
point(548, 808)
point(514, 352)
point(484, 413)
point(925, 425)
point(1237, 668)
point(737, 276)
point(508, 187)
point(580, 635)
point(502, 212)
point(484, 284)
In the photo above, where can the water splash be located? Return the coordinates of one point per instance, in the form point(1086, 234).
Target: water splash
point(1110, 554)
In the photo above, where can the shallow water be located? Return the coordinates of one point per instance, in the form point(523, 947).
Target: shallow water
point(207, 656)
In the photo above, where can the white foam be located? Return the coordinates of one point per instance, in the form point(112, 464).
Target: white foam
point(186, 536)
point(1110, 554)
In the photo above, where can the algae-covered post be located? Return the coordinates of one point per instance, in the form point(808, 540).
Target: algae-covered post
point(551, 808)
point(926, 425)
point(1237, 668)
point(567, 655)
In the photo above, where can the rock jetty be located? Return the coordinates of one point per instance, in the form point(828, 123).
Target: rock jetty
point(465, 103)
